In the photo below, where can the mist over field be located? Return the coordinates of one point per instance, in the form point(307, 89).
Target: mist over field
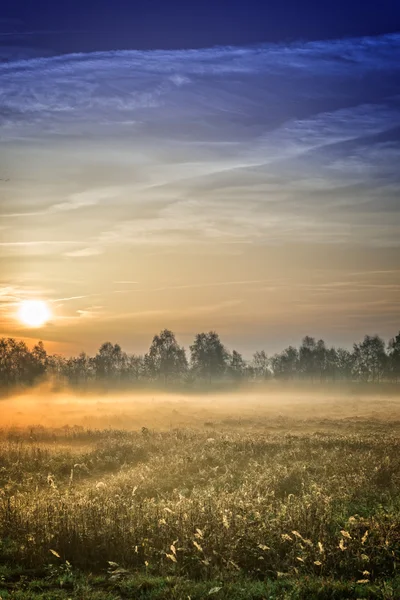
point(294, 406)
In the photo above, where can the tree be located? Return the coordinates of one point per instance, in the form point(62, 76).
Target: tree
point(237, 366)
point(80, 369)
point(344, 363)
point(18, 365)
point(286, 364)
point(40, 358)
point(208, 356)
point(109, 361)
point(321, 357)
point(330, 366)
point(166, 359)
point(370, 359)
point(57, 367)
point(308, 357)
point(394, 357)
point(135, 368)
point(260, 365)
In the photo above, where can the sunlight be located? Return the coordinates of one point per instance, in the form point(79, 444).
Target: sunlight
point(34, 313)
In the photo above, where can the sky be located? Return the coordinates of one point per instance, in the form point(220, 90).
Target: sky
point(229, 168)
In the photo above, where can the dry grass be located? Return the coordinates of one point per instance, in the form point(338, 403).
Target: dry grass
point(267, 487)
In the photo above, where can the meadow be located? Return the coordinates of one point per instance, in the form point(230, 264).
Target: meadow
point(275, 493)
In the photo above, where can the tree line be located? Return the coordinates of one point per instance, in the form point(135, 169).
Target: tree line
point(209, 361)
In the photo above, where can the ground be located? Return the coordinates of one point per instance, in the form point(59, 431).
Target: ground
point(279, 493)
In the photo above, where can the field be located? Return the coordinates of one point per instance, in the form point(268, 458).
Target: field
point(274, 494)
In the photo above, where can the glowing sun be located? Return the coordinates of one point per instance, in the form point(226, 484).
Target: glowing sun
point(34, 313)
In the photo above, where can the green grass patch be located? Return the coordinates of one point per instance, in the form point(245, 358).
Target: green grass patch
point(19, 586)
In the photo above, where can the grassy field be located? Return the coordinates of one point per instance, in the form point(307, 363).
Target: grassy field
point(248, 496)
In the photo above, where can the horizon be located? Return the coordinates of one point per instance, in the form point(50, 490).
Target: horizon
point(247, 356)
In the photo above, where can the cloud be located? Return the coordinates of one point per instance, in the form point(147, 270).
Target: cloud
point(84, 252)
point(135, 81)
point(35, 248)
point(68, 298)
point(34, 243)
point(272, 144)
point(189, 312)
point(12, 294)
point(86, 199)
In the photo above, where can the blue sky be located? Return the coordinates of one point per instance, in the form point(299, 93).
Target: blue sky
point(86, 26)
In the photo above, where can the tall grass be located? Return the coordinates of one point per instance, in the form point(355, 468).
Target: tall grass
point(203, 505)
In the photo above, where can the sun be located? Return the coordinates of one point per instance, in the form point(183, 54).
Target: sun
point(34, 313)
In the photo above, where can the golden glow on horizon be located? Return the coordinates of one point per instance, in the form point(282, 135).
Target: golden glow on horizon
point(34, 313)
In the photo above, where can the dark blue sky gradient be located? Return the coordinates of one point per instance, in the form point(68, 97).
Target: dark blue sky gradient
point(126, 24)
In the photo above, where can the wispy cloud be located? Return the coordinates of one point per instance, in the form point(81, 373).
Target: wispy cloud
point(36, 247)
point(12, 294)
point(69, 298)
point(85, 199)
point(293, 142)
point(126, 159)
point(85, 252)
point(37, 243)
point(192, 311)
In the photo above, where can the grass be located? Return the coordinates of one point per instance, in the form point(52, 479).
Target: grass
point(142, 587)
point(235, 504)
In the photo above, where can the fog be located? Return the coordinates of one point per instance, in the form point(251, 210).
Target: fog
point(270, 407)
